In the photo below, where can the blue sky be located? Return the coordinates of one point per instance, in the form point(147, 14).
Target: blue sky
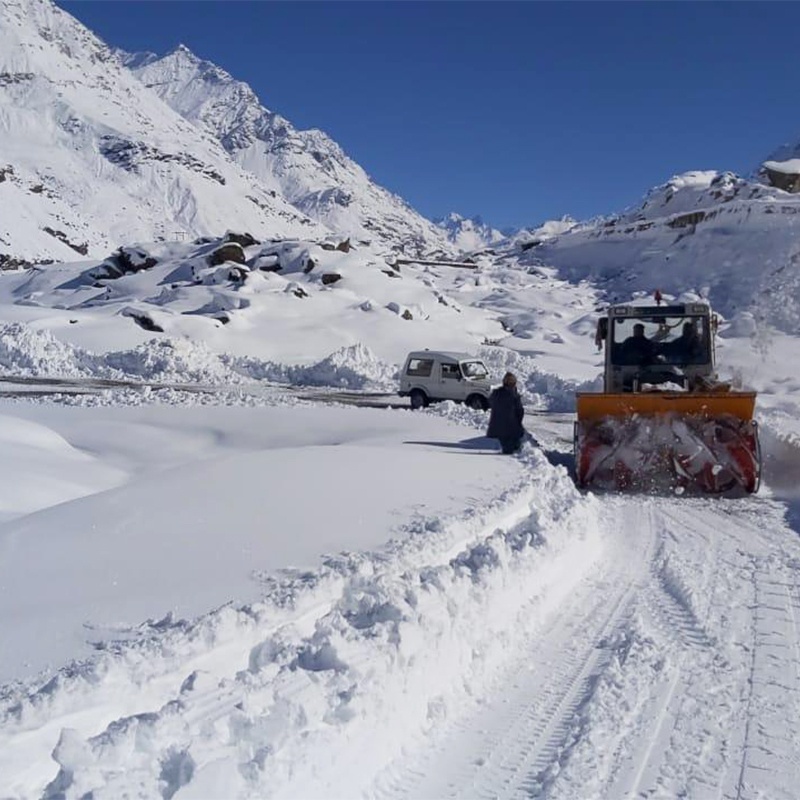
point(517, 111)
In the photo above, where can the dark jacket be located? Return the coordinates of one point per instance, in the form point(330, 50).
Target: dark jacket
point(638, 350)
point(505, 418)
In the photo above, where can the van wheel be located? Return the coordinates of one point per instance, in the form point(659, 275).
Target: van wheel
point(478, 402)
point(418, 399)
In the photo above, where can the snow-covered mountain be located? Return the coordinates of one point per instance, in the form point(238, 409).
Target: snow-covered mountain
point(91, 159)
point(717, 235)
point(306, 167)
point(469, 233)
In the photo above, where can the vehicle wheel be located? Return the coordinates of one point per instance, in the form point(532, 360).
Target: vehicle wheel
point(418, 399)
point(478, 402)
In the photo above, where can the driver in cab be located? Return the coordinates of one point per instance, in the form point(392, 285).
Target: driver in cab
point(638, 349)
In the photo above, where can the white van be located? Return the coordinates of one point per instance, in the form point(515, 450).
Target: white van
point(431, 375)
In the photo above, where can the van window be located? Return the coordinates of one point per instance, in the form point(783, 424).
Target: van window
point(451, 371)
point(420, 367)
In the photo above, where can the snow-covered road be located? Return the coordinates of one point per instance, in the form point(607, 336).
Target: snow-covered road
point(538, 642)
point(671, 670)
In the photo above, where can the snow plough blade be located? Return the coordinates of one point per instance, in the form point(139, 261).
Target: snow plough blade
point(673, 441)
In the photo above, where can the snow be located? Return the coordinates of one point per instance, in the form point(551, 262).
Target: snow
point(789, 167)
point(85, 560)
point(235, 564)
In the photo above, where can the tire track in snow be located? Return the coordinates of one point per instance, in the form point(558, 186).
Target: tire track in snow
point(666, 608)
point(511, 747)
point(707, 703)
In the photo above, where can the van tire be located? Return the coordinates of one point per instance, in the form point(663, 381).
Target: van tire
point(418, 399)
point(478, 402)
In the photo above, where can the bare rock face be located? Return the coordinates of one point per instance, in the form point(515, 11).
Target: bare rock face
point(83, 249)
point(231, 251)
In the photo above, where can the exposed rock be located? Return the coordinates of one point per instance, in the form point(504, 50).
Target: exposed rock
point(142, 320)
point(309, 264)
point(267, 263)
point(329, 278)
point(9, 262)
point(124, 261)
point(83, 249)
point(686, 220)
point(344, 246)
point(6, 172)
point(7, 78)
point(407, 315)
point(129, 155)
point(232, 251)
point(238, 274)
point(296, 290)
point(244, 239)
point(788, 181)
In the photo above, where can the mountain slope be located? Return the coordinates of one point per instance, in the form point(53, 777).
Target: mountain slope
point(91, 159)
point(715, 235)
point(306, 167)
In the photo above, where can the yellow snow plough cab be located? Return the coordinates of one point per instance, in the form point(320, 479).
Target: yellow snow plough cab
point(663, 421)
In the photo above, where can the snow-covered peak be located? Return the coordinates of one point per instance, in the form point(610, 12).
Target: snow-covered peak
point(468, 233)
point(307, 167)
point(91, 159)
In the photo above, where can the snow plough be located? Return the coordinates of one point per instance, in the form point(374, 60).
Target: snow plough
point(664, 421)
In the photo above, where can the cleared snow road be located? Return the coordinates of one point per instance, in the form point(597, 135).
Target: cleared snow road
point(670, 671)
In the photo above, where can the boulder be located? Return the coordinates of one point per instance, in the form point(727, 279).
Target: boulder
point(124, 261)
point(329, 278)
point(244, 239)
point(308, 264)
point(231, 251)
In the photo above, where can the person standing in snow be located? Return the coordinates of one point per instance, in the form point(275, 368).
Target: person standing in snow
point(505, 417)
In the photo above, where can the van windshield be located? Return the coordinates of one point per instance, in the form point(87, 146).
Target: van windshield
point(474, 369)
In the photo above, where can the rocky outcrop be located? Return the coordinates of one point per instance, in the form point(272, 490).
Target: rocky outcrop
point(124, 261)
point(230, 251)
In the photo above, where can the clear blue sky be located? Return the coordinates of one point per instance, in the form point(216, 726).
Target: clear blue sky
point(518, 111)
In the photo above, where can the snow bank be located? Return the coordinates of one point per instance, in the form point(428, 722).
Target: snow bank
point(354, 367)
point(306, 683)
point(544, 390)
point(30, 353)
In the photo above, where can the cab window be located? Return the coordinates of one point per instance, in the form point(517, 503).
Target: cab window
point(420, 367)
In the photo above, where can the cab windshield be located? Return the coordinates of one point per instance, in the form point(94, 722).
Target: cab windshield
point(677, 340)
point(474, 369)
